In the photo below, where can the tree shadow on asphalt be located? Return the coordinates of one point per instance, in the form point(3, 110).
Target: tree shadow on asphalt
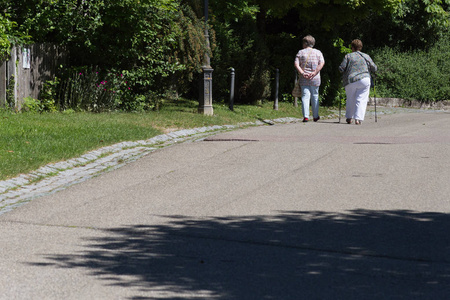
point(293, 255)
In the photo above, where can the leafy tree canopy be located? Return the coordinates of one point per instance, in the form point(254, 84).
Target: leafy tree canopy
point(152, 39)
point(5, 28)
point(329, 13)
point(9, 35)
point(161, 42)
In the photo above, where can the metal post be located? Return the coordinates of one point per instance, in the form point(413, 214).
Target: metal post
point(205, 98)
point(375, 98)
point(205, 11)
point(277, 84)
point(232, 89)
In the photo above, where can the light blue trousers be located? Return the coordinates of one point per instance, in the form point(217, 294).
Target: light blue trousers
point(310, 94)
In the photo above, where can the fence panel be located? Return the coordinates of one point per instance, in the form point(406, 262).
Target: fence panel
point(25, 73)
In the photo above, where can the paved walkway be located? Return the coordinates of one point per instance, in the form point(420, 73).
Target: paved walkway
point(292, 211)
point(55, 177)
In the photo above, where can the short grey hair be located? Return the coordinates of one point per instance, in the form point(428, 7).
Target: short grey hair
point(309, 41)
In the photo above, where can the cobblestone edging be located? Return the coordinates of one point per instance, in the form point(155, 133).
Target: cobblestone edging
point(413, 104)
point(57, 176)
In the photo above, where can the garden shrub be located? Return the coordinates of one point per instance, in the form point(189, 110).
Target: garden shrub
point(10, 100)
point(31, 105)
point(160, 45)
point(239, 46)
point(48, 96)
point(96, 90)
point(89, 89)
point(415, 75)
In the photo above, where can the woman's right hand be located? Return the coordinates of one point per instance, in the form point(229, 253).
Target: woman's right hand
point(309, 75)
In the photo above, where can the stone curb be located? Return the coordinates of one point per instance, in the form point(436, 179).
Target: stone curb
point(397, 102)
point(58, 176)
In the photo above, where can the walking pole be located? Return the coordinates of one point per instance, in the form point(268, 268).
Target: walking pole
point(375, 99)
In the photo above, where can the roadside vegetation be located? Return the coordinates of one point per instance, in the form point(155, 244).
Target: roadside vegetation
point(420, 75)
point(129, 55)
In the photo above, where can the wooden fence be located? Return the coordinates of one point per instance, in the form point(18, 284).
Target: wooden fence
point(26, 71)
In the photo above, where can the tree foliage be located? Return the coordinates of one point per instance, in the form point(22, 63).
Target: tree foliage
point(415, 24)
point(415, 75)
point(257, 37)
point(5, 44)
point(329, 13)
point(153, 42)
point(159, 45)
point(9, 35)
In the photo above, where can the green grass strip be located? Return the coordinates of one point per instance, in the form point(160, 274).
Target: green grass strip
point(29, 141)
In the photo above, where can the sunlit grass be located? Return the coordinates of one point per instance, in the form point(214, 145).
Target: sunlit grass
point(29, 141)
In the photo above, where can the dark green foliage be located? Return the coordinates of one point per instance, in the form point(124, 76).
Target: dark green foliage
point(159, 46)
point(89, 89)
point(95, 90)
point(415, 75)
point(155, 43)
point(9, 34)
point(48, 96)
point(416, 24)
point(239, 45)
point(5, 44)
point(10, 92)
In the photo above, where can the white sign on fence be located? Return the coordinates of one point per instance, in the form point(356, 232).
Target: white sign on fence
point(26, 58)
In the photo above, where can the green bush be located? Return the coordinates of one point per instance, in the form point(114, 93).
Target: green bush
point(140, 103)
point(10, 100)
point(89, 89)
point(238, 45)
point(48, 96)
point(159, 43)
point(415, 75)
point(31, 105)
point(5, 44)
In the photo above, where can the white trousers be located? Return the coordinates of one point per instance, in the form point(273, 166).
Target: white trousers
point(357, 98)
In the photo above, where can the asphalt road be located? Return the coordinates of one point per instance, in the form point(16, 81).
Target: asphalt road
point(295, 211)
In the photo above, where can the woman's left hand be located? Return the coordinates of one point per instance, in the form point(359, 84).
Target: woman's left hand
point(309, 75)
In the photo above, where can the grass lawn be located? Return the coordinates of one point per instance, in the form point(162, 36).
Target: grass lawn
point(29, 141)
